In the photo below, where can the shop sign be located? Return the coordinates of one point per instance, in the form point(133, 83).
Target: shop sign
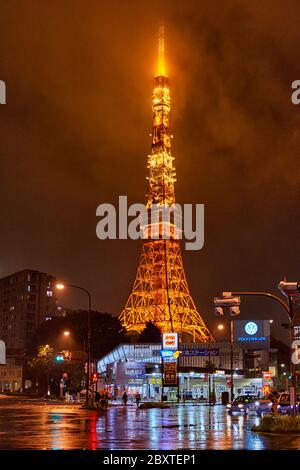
point(170, 373)
point(200, 352)
point(170, 341)
point(135, 381)
point(164, 353)
point(267, 375)
point(155, 381)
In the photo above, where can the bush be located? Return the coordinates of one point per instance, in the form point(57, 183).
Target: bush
point(278, 424)
point(154, 404)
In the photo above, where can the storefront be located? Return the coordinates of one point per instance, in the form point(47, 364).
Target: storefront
point(204, 370)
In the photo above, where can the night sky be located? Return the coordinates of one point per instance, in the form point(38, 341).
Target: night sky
point(75, 133)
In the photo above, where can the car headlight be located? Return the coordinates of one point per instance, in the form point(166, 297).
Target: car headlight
point(257, 403)
point(228, 406)
point(240, 406)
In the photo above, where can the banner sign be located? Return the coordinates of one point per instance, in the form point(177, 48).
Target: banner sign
point(170, 373)
point(201, 352)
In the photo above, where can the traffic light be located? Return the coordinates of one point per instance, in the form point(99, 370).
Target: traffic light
point(67, 355)
point(289, 289)
point(94, 378)
point(59, 357)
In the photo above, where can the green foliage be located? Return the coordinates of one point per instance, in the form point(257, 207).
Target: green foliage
point(278, 424)
point(44, 369)
point(150, 334)
point(106, 333)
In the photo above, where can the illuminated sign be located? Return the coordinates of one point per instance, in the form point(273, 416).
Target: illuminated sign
point(267, 375)
point(252, 334)
point(201, 352)
point(251, 328)
point(170, 341)
point(170, 373)
point(165, 353)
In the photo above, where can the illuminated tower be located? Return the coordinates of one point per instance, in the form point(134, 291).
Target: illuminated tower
point(160, 292)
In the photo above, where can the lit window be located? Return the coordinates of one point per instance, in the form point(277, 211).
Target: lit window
point(49, 293)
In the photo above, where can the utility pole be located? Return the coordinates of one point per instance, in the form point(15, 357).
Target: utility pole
point(231, 360)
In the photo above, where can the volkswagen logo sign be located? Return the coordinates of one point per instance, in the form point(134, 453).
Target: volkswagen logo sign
point(251, 328)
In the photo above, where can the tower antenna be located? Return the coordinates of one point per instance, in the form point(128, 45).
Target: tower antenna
point(161, 52)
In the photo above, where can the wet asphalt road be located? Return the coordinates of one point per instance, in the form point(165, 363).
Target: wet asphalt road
point(28, 424)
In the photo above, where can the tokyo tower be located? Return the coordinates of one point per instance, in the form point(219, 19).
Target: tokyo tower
point(160, 291)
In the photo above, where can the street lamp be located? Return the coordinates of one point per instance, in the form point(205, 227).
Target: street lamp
point(290, 290)
point(66, 333)
point(61, 286)
point(234, 308)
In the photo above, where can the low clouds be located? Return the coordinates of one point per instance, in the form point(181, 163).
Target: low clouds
point(75, 133)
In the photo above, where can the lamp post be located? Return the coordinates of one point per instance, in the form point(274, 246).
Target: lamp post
point(227, 300)
point(290, 290)
point(61, 286)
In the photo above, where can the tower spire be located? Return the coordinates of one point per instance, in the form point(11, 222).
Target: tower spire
point(161, 65)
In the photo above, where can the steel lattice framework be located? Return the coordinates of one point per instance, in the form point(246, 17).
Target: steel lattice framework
point(160, 292)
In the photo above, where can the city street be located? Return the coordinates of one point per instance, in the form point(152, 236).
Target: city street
point(33, 424)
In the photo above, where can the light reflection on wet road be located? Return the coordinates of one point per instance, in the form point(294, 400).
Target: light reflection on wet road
point(28, 425)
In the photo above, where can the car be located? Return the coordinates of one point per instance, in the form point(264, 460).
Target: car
point(244, 404)
point(284, 404)
point(264, 405)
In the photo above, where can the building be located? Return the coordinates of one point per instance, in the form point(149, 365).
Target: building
point(203, 369)
point(11, 375)
point(27, 299)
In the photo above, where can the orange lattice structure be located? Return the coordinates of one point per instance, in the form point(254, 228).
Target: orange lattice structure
point(160, 292)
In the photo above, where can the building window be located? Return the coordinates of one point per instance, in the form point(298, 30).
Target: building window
point(49, 293)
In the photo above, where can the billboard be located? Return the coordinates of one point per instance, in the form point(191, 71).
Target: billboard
point(252, 334)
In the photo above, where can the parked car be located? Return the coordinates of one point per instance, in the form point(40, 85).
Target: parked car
point(244, 404)
point(264, 405)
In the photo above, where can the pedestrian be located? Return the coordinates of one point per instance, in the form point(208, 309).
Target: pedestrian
point(105, 400)
point(97, 399)
point(137, 399)
point(124, 398)
point(274, 407)
point(102, 401)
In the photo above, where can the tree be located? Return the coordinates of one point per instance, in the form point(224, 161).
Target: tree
point(150, 334)
point(106, 333)
point(47, 372)
point(40, 366)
